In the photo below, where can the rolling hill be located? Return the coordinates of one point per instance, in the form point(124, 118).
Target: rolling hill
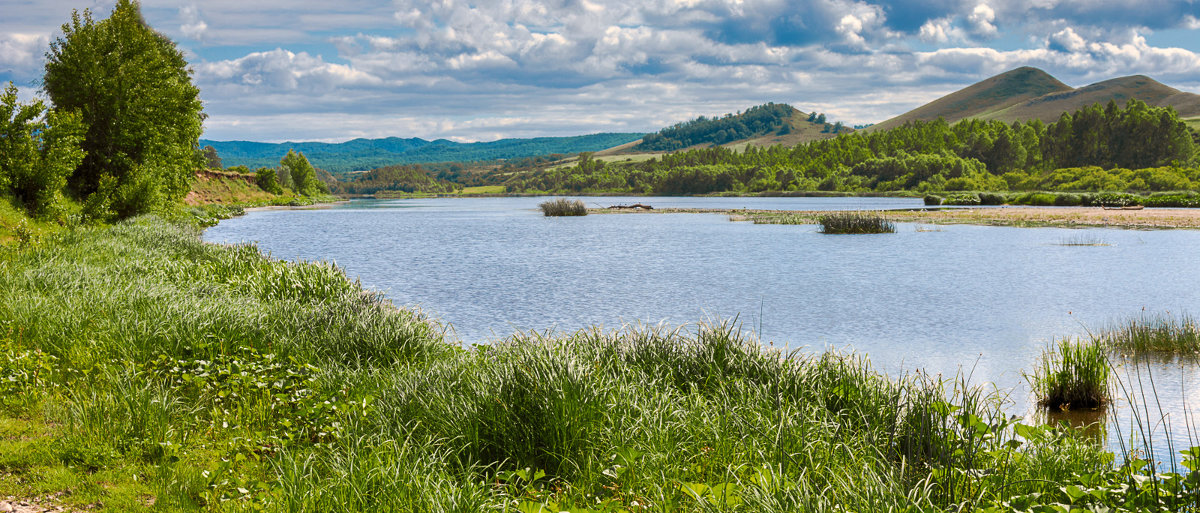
point(366, 154)
point(1029, 93)
point(788, 127)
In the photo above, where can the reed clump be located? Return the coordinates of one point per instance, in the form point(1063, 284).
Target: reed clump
point(1165, 334)
point(1072, 374)
point(1082, 240)
point(855, 223)
point(563, 207)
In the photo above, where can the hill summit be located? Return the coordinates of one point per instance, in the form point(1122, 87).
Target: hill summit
point(1029, 93)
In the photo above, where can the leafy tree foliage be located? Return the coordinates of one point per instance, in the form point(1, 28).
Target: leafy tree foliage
point(395, 178)
point(211, 159)
point(134, 92)
point(756, 121)
point(38, 149)
point(266, 180)
point(303, 176)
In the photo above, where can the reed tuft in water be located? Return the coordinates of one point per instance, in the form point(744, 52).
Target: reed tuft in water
point(1082, 240)
point(1157, 334)
point(1073, 374)
point(563, 207)
point(855, 223)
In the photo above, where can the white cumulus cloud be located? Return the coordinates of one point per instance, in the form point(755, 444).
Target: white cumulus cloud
point(192, 26)
point(981, 20)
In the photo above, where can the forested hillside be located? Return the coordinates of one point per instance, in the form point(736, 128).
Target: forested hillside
point(1097, 148)
point(758, 121)
point(366, 154)
point(406, 178)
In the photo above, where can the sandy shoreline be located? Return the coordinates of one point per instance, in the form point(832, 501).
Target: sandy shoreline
point(1080, 217)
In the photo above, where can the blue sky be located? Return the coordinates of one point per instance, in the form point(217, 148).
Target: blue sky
point(272, 70)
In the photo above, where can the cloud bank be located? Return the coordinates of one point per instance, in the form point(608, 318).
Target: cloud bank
point(311, 70)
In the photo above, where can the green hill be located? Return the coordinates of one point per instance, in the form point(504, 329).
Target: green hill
point(1049, 107)
point(367, 154)
point(987, 96)
point(1029, 93)
point(769, 121)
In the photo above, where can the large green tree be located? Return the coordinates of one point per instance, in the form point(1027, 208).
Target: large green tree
point(133, 89)
point(304, 177)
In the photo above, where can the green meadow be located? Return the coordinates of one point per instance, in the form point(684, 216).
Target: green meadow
point(144, 369)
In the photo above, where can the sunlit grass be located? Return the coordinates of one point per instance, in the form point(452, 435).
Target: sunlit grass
point(223, 379)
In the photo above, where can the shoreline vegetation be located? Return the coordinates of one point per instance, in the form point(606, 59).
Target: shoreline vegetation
point(145, 369)
point(1069, 217)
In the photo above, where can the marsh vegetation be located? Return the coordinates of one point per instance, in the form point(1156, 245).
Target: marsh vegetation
point(563, 207)
point(855, 223)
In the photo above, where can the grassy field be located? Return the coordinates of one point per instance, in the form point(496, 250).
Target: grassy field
point(143, 369)
point(1193, 123)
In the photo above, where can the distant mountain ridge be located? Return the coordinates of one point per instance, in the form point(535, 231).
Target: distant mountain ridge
point(366, 154)
point(1028, 93)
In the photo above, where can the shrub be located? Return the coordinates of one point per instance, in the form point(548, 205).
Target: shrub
point(1116, 199)
point(266, 180)
point(1068, 200)
point(1072, 375)
point(963, 199)
point(991, 198)
point(1037, 199)
point(933, 199)
point(563, 207)
point(855, 223)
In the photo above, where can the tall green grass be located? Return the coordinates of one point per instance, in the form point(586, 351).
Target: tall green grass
point(563, 207)
point(1072, 374)
point(855, 223)
point(229, 381)
point(1154, 334)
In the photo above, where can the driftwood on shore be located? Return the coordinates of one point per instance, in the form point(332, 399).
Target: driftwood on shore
point(635, 205)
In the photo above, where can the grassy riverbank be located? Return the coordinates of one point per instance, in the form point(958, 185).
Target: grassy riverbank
point(144, 369)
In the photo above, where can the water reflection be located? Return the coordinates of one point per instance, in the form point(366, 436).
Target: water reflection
point(1091, 422)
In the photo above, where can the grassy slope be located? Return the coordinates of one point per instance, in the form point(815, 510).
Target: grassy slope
point(227, 381)
point(985, 96)
point(1048, 108)
point(803, 131)
point(213, 187)
point(1029, 93)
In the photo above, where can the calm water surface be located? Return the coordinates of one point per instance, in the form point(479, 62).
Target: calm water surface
point(983, 301)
